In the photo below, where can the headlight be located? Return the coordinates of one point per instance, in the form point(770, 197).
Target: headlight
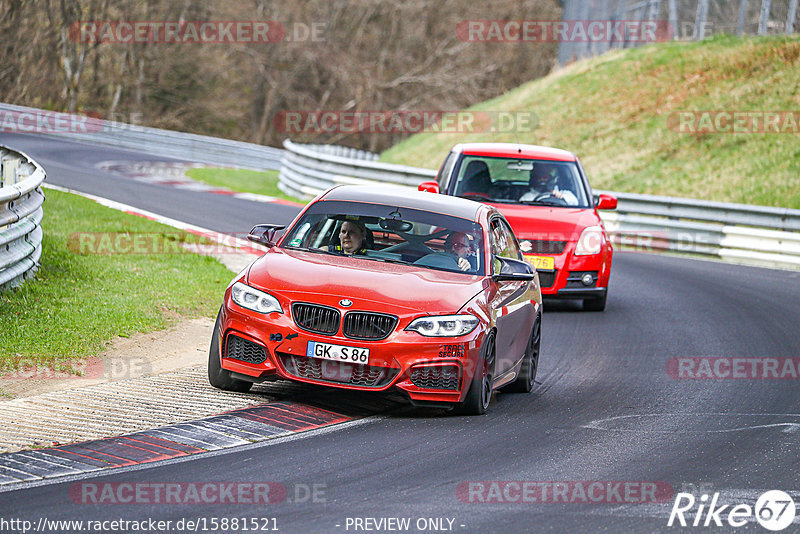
point(253, 299)
point(444, 325)
point(590, 241)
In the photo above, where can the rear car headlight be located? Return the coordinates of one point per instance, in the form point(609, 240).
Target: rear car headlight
point(444, 325)
point(253, 299)
point(590, 241)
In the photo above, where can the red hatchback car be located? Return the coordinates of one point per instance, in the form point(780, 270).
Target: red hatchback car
point(545, 195)
point(370, 289)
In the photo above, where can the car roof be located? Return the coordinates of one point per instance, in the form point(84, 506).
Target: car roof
point(515, 150)
point(407, 198)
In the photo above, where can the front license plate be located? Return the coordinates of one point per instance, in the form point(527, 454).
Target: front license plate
point(337, 353)
point(541, 262)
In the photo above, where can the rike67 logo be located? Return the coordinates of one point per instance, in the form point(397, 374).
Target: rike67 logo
point(774, 510)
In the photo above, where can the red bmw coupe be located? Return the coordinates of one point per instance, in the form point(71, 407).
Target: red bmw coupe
point(545, 195)
point(371, 289)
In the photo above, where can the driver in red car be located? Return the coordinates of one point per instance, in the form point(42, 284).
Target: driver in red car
point(352, 239)
point(544, 182)
point(457, 244)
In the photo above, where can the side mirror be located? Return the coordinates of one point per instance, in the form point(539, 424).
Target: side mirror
point(264, 234)
point(511, 270)
point(430, 187)
point(607, 202)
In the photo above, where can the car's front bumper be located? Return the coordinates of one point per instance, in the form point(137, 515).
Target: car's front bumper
point(425, 369)
point(578, 293)
point(562, 281)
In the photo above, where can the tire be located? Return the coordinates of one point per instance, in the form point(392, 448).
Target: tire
point(530, 363)
point(595, 305)
point(217, 376)
point(480, 390)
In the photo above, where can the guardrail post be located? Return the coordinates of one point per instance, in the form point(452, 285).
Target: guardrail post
point(9, 170)
point(673, 19)
point(766, 5)
point(655, 10)
point(791, 16)
point(700, 20)
point(742, 14)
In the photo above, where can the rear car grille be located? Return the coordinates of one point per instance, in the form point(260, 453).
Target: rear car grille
point(341, 372)
point(547, 279)
point(364, 325)
point(546, 247)
point(436, 377)
point(238, 348)
point(316, 318)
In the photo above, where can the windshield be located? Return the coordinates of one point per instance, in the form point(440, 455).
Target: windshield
point(521, 181)
point(389, 234)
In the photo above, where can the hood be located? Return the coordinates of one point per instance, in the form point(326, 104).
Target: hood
point(371, 285)
point(548, 223)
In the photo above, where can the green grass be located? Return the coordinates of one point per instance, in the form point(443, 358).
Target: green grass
point(242, 180)
point(613, 111)
point(80, 302)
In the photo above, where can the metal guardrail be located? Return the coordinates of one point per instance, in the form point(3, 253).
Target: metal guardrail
point(21, 200)
point(738, 233)
point(308, 170)
point(178, 145)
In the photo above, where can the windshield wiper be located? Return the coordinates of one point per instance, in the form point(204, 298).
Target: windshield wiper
point(314, 250)
point(384, 260)
point(544, 202)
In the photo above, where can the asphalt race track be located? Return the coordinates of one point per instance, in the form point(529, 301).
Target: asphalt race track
point(606, 409)
point(73, 165)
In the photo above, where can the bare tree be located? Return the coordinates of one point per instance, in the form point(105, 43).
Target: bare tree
point(374, 55)
point(73, 52)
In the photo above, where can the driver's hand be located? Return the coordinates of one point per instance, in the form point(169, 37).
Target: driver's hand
point(463, 264)
point(558, 194)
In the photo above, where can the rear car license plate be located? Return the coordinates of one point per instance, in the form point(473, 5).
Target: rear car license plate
point(541, 262)
point(338, 353)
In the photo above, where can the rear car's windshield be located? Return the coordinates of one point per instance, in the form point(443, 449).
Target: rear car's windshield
point(389, 234)
point(525, 181)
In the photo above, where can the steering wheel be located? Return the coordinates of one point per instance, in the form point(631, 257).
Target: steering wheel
point(442, 260)
point(416, 242)
point(547, 195)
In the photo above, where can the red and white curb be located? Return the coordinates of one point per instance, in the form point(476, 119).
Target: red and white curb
point(227, 430)
point(173, 174)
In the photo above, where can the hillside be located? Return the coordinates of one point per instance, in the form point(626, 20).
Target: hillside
point(620, 114)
